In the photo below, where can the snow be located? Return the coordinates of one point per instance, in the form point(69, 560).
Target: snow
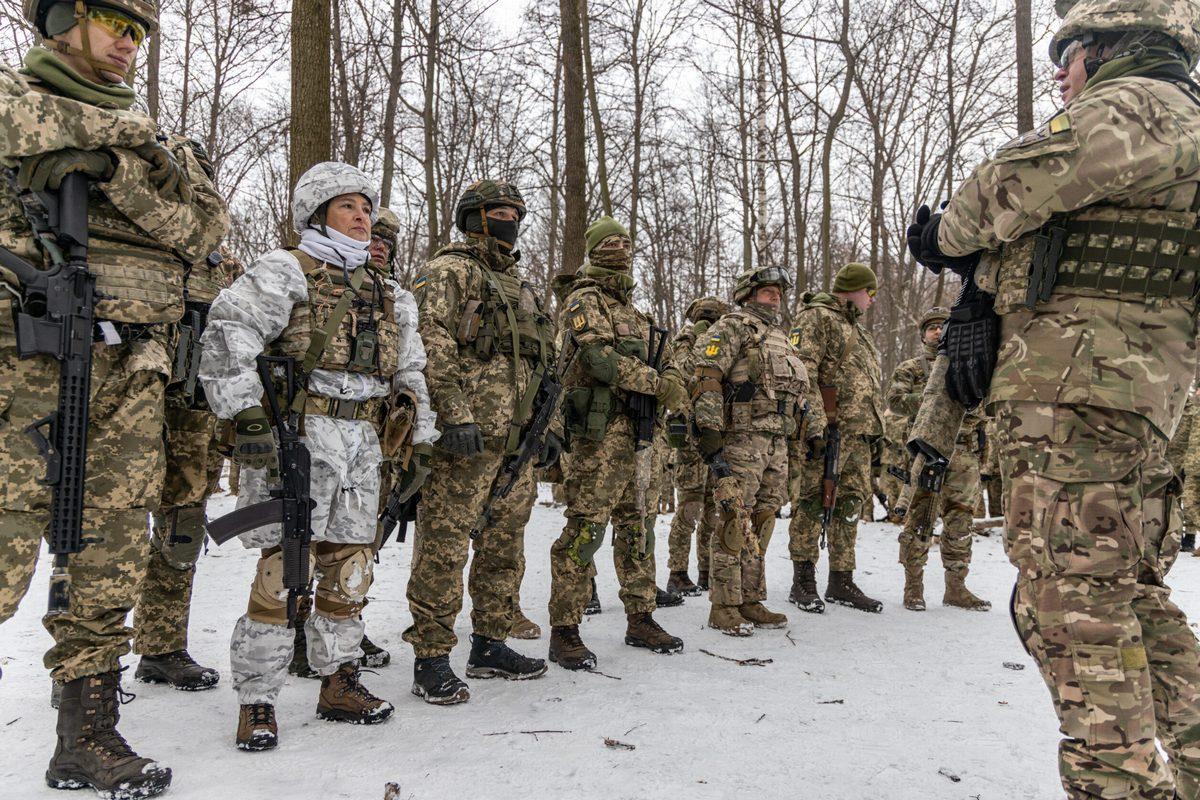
point(851, 704)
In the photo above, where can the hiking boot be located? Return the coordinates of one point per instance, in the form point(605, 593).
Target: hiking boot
point(1188, 544)
point(761, 616)
point(593, 605)
point(729, 621)
point(568, 650)
point(523, 627)
point(373, 655)
point(702, 580)
point(492, 658)
point(914, 589)
point(957, 595)
point(344, 699)
point(643, 631)
point(299, 664)
point(436, 682)
point(91, 752)
point(667, 599)
point(178, 670)
point(257, 729)
point(804, 588)
point(679, 583)
point(843, 591)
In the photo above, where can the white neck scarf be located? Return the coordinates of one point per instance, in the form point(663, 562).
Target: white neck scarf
point(334, 247)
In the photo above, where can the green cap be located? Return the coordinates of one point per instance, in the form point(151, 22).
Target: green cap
point(855, 276)
point(601, 229)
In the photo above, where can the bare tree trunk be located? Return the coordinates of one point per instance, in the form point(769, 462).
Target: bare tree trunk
point(575, 165)
point(185, 101)
point(761, 145)
point(153, 62)
point(785, 103)
point(311, 139)
point(594, 104)
point(835, 120)
point(1024, 24)
point(429, 120)
point(351, 140)
point(555, 178)
point(395, 77)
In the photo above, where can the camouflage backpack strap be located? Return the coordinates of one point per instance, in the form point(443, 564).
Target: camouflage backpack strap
point(522, 401)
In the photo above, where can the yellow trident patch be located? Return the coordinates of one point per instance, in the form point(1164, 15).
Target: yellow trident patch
point(579, 322)
point(714, 346)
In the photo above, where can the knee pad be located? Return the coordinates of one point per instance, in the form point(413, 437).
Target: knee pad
point(268, 596)
point(181, 537)
point(733, 536)
point(346, 573)
point(585, 541)
point(629, 539)
point(847, 508)
point(764, 527)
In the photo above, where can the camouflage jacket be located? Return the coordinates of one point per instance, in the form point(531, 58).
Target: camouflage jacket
point(1125, 149)
point(838, 351)
point(680, 353)
point(904, 400)
point(747, 349)
point(469, 382)
point(1180, 451)
point(141, 240)
point(597, 314)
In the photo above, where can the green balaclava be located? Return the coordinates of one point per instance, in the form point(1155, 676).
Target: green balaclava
point(613, 266)
point(853, 277)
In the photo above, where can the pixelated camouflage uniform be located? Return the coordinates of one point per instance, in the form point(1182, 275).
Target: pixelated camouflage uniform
point(141, 241)
point(1088, 388)
point(273, 308)
point(473, 376)
point(600, 475)
point(747, 357)
point(836, 350)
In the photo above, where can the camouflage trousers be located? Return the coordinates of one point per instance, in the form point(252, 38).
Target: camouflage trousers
point(451, 502)
point(160, 618)
point(344, 487)
point(691, 479)
point(601, 482)
point(760, 463)
point(854, 490)
point(1093, 530)
point(124, 482)
point(956, 506)
point(1190, 500)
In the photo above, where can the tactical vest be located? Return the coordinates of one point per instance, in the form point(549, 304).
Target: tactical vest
point(766, 382)
point(367, 340)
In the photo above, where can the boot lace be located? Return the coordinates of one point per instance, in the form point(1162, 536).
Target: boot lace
point(349, 683)
point(103, 738)
point(261, 714)
point(571, 637)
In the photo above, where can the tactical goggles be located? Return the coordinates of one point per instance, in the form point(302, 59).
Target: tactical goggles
point(118, 24)
point(773, 275)
point(871, 292)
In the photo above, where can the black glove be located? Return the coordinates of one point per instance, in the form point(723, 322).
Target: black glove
point(47, 170)
point(970, 341)
point(710, 441)
point(922, 238)
point(551, 449)
point(462, 440)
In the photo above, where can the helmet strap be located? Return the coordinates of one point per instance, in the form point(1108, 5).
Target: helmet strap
point(102, 68)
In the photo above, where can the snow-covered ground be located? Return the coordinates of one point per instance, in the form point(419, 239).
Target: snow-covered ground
point(894, 706)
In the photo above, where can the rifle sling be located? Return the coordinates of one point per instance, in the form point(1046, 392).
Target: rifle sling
point(320, 337)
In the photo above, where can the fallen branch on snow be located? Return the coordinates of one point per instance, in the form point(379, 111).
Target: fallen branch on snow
point(618, 745)
point(741, 662)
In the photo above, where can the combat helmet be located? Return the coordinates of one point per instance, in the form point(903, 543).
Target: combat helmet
point(750, 280)
point(937, 315)
point(1178, 20)
point(387, 225)
point(324, 181)
point(710, 308)
point(144, 11)
point(486, 194)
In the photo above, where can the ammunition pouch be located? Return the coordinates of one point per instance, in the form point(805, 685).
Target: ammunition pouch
point(366, 410)
point(677, 432)
point(588, 410)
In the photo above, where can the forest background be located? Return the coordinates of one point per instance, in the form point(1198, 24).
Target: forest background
point(726, 134)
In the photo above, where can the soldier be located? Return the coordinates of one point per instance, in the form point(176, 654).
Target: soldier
point(601, 477)
point(289, 303)
point(691, 473)
point(837, 352)
point(960, 491)
point(747, 391)
point(1177, 450)
point(895, 459)
point(1096, 351)
point(487, 339)
point(1191, 482)
point(151, 212)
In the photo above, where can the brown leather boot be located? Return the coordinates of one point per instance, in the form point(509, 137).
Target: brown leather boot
point(344, 699)
point(679, 583)
point(761, 616)
point(91, 752)
point(914, 589)
point(729, 621)
point(568, 650)
point(523, 627)
point(643, 631)
point(804, 588)
point(257, 729)
point(702, 581)
point(957, 594)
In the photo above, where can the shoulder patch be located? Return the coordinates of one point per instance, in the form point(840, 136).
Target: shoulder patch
point(420, 283)
point(794, 337)
point(579, 322)
point(1055, 135)
point(714, 345)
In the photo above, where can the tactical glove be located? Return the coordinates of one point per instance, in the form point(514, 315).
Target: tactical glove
point(970, 341)
point(922, 238)
point(551, 450)
point(253, 443)
point(45, 171)
point(710, 442)
point(670, 391)
point(462, 440)
point(412, 479)
point(727, 492)
point(165, 172)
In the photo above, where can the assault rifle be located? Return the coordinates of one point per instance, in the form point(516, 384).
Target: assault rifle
point(290, 505)
point(644, 410)
point(833, 451)
point(546, 384)
point(55, 317)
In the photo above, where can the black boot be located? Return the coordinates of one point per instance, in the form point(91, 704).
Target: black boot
point(373, 655)
point(667, 599)
point(702, 580)
point(1188, 544)
point(843, 591)
point(91, 752)
point(593, 605)
point(178, 670)
point(492, 658)
point(299, 664)
point(436, 682)
point(804, 588)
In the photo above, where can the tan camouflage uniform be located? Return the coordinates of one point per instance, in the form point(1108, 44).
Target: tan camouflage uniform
point(1089, 386)
point(141, 242)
